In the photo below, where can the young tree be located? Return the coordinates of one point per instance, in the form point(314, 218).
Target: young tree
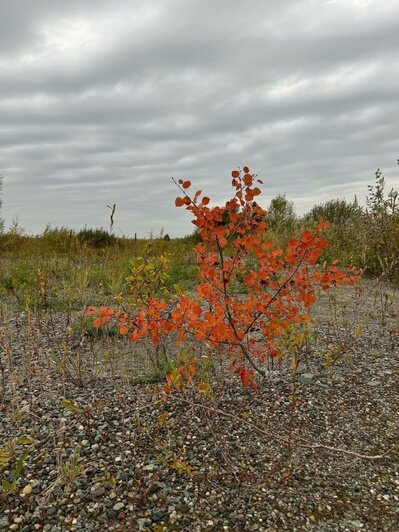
point(250, 292)
point(281, 213)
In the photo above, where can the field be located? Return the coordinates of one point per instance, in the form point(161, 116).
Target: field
point(89, 440)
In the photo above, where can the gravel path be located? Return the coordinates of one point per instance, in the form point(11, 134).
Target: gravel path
point(114, 455)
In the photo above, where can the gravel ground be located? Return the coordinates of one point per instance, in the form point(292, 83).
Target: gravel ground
point(118, 456)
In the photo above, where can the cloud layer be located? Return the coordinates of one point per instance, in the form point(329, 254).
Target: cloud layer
point(103, 102)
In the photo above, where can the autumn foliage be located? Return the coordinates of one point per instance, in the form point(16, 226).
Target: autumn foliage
point(250, 293)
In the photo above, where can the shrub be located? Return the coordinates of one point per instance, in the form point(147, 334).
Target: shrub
point(280, 213)
point(338, 212)
point(381, 238)
point(278, 289)
point(96, 238)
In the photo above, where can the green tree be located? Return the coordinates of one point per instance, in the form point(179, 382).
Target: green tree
point(280, 213)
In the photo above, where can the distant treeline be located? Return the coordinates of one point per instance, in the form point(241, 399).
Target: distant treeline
point(364, 236)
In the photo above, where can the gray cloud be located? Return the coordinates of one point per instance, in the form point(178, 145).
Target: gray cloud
point(102, 102)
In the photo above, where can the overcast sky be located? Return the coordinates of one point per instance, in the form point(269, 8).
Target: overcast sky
point(103, 101)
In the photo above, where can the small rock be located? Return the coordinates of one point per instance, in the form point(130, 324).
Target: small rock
point(150, 467)
point(27, 490)
point(374, 383)
point(301, 367)
point(357, 523)
point(97, 491)
point(118, 506)
point(306, 378)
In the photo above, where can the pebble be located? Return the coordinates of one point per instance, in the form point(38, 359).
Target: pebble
point(150, 467)
point(27, 490)
point(306, 378)
point(374, 383)
point(119, 506)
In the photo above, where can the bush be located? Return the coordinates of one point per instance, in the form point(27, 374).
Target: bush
point(381, 236)
point(59, 239)
point(96, 238)
point(281, 214)
point(245, 328)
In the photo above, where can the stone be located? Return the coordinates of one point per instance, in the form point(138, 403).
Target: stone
point(27, 490)
point(143, 522)
point(306, 378)
point(119, 506)
point(374, 383)
point(150, 467)
point(301, 367)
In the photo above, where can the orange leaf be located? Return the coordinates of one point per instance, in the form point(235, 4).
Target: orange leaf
point(179, 201)
point(248, 179)
point(186, 184)
point(205, 200)
point(256, 191)
point(245, 169)
point(97, 323)
point(123, 330)
point(235, 173)
point(249, 195)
